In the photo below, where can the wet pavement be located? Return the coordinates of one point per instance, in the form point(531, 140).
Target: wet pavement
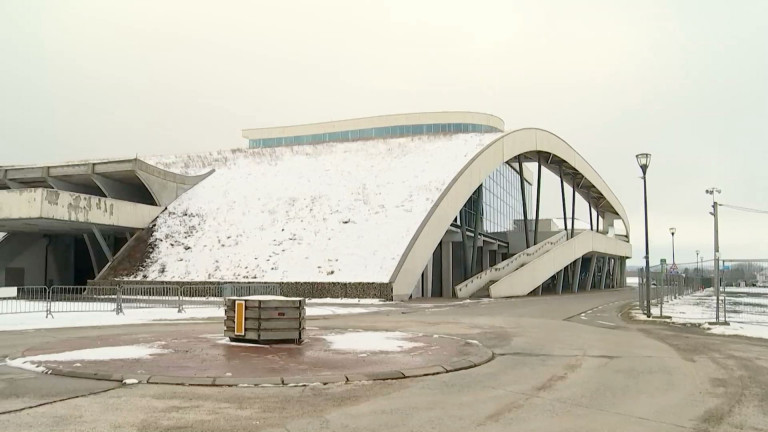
point(201, 351)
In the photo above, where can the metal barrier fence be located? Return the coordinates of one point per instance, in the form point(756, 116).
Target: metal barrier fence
point(60, 299)
point(24, 299)
point(743, 294)
point(81, 299)
point(150, 296)
point(745, 304)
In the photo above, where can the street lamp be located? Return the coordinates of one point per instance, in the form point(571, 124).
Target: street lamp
point(644, 159)
point(698, 275)
point(712, 191)
point(697, 261)
point(673, 231)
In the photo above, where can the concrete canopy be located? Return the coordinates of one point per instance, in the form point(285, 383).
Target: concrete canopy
point(128, 180)
point(47, 211)
point(525, 143)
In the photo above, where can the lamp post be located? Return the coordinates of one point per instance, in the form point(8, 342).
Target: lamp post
point(644, 159)
point(712, 191)
point(672, 231)
point(696, 279)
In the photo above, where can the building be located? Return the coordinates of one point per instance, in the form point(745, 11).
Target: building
point(397, 206)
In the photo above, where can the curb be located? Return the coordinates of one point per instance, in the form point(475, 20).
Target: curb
point(478, 359)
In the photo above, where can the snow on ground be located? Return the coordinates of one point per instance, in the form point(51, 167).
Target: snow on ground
point(699, 308)
point(317, 213)
point(339, 310)
point(37, 320)
point(141, 351)
point(371, 341)
point(369, 301)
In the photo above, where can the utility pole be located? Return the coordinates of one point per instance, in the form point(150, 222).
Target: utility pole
point(712, 191)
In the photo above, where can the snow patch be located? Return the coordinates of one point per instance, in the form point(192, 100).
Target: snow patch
point(338, 310)
point(130, 381)
point(368, 301)
point(371, 341)
point(32, 321)
point(140, 351)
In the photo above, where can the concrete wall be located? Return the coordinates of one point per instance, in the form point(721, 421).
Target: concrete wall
point(290, 289)
point(377, 121)
point(28, 251)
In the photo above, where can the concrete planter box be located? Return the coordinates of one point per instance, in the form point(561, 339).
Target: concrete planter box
point(265, 319)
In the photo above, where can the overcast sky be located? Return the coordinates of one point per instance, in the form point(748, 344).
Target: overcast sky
point(683, 80)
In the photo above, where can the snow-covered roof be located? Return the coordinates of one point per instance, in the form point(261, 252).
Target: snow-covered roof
point(336, 212)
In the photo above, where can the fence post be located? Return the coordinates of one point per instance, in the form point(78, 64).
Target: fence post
point(48, 311)
point(180, 292)
point(119, 300)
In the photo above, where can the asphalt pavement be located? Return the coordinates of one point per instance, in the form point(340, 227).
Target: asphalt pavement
point(562, 363)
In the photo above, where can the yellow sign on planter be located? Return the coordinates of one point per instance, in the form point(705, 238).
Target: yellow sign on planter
point(240, 318)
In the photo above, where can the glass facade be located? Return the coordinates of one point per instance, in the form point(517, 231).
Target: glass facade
point(372, 133)
point(501, 201)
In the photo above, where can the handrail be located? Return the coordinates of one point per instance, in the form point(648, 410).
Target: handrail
point(504, 268)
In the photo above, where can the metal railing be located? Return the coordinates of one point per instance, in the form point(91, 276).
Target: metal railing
point(24, 300)
point(506, 267)
point(117, 299)
point(743, 296)
point(745, 304)
point(81, 299)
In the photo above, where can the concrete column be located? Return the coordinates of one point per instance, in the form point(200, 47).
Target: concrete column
point(486, 258)
point(604, 272)
point(623, 272)
point(446, 252)
point(427, 279)
point(498, 256)
point(560, 276)
point(103, 243)
point(616, 272)
point(591, 273)
point(416, 291)
point(576, 276)
point(93, 256)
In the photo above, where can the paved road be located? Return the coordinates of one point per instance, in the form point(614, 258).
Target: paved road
point(567, 363)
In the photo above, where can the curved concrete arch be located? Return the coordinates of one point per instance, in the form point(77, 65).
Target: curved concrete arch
point(165, 186)
point(488, 159)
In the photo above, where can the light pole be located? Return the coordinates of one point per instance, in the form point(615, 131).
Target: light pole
point(696, 279)
point(712, 191)
point(697, 261)
point(673, 231)
point(644, 159)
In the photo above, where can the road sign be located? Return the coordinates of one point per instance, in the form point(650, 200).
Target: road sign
point(673, 268)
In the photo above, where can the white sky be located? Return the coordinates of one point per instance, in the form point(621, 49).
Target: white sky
point(683, 80)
